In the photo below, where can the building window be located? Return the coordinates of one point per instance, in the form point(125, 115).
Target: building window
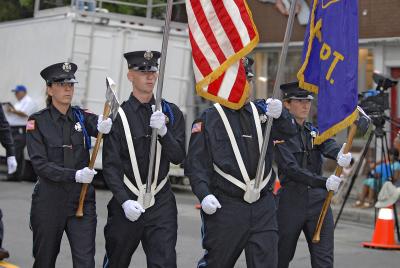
point(266, 67)
point(365, 69)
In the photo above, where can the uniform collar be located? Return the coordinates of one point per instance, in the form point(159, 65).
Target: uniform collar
point(56, 114)
point(135, 103)
point(303, 127)
point(246, 107)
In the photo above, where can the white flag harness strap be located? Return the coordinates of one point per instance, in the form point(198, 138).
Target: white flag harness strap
point(238, 183)
point(236, 150)
point(141, 189)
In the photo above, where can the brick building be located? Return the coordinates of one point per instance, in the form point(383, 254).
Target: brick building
point(379, 45)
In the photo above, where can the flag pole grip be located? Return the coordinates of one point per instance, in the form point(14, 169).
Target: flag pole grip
point(338, 172)
point(79, 210)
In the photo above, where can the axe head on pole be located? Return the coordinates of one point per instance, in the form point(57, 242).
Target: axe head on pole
point(111, 97)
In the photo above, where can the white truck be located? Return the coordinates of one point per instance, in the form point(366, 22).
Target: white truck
point(96, 42)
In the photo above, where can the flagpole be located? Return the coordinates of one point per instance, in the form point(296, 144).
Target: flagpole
point(276, 93)
point(148, 195)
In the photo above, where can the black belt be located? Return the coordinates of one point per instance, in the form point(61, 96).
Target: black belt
point(218, 192)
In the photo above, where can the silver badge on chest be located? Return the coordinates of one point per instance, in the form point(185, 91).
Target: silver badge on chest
point(78, 127)
point(313, 136)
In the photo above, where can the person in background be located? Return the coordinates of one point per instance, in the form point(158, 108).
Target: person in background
point(384, 172)
point(396, 142)
point(17, 116)
point(80, 5)
point(7, 142)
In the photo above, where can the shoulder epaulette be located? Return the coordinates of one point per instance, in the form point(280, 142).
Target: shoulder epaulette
point(41, 111)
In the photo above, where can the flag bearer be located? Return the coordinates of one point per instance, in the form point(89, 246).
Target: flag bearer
point(58, 141)
point(304, 188)
point(221, 164)
point(125, 166)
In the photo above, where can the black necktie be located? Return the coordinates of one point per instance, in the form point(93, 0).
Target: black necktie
point(67, 146)
point(304, 141)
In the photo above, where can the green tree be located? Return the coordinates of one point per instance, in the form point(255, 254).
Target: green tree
point(13, 10)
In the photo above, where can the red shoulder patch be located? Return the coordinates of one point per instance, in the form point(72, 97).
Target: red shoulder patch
point(30, 125)
point(197, 127)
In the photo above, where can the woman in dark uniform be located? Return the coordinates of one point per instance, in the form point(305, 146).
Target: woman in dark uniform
point(58, 141)
point(7, 141)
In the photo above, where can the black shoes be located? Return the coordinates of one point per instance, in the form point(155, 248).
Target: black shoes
point(4, 254)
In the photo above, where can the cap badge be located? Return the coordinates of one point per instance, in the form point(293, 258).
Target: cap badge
point(78, 127)
point(66, 67)
point(148, 55)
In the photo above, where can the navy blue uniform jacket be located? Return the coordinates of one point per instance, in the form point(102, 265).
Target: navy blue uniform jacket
point(210, 144)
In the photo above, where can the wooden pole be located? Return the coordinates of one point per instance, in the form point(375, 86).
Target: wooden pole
point(79, 211)
point(338, 172)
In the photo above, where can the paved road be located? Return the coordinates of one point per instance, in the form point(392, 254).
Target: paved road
point(15, 203)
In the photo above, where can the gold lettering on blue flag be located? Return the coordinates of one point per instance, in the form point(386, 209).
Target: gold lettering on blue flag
point(330, 64)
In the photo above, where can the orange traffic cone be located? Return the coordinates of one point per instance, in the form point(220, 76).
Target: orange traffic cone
point(277, 185)
point(383, 237)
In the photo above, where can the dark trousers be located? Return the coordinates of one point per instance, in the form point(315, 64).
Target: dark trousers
point(48, 228)
point(299, 211)
point(239, 226)
point(156, 229)
point(1, 229)
point(19, 137)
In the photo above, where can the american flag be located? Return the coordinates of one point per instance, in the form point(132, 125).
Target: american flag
point(221, 33)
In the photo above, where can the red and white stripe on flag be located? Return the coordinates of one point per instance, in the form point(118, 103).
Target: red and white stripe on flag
point(221, 33)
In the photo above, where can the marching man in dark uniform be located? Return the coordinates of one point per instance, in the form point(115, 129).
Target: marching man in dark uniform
point(125, 167)
point(7, 141)
point(304, 189)
point(58, 140)
point(221, 164)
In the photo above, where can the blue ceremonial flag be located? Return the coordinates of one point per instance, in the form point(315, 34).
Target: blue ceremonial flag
point(330, 64)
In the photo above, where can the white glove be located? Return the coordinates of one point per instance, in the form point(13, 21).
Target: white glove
point(11, 164)
point(274, 108)
point(210, 204)
point(132, 210)
point(343, 160)
point(85, 175)
point(157, 120)
point(332, 183)
point(104, 126)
